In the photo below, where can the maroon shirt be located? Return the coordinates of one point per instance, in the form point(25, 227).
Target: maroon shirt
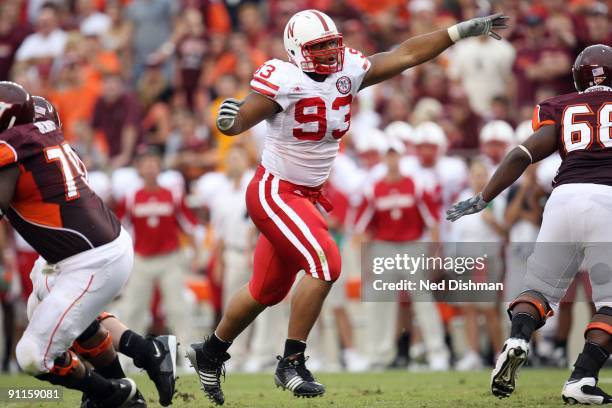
point(112, 117)
point(53, 208)
point(9, 43)
point(583, 125)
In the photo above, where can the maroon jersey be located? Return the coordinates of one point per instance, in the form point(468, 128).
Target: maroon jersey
point(53, 208)
point(583, 124)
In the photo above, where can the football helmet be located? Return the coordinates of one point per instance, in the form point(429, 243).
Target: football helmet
point(593, 67)
point(16, 105)
point(44, 110)
point(304, 36)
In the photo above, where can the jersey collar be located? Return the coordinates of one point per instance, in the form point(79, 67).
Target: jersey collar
point(597, 88)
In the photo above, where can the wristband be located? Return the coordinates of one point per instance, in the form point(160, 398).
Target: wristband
point(453, 33)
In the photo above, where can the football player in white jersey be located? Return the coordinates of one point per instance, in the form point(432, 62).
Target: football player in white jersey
point(306, 102)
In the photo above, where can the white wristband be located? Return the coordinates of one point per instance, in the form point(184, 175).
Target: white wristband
point(453, 33)
point(523, 148)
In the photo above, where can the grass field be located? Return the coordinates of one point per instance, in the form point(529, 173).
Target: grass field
point(537, 388)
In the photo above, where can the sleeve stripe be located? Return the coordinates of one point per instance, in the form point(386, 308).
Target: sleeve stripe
point(266, 83)
point(263, 91)
point(8, 155)
point(535, 119)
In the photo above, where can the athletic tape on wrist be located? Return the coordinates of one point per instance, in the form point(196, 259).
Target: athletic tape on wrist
point(453, 33)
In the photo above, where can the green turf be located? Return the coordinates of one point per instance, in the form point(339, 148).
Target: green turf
point(536, 388)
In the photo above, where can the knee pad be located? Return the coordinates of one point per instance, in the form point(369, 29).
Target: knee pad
point(535, 299)
point(601, 320)
point(30, 356)
point(331, 255)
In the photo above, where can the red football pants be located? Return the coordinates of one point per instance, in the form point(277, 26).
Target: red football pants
point(294, 237)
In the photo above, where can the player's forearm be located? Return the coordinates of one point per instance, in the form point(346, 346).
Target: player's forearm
point(511, 168)
point(422, 48)
point(236, 129)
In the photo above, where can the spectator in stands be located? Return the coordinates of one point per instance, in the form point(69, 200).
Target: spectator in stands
point(117, 116)
point(151, 30)
point(158, 218)
point(191, 50)
point(483, 68)
point(46, 43)
point(91, 20)
point(12, 34)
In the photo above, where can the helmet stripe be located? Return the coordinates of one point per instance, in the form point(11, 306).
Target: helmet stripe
point(320, 17)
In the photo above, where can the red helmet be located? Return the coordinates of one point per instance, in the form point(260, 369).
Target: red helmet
point(44, 110)
point(16, 105)
point(593, 67)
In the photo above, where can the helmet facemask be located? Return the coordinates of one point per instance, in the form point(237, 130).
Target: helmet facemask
point(318, 60)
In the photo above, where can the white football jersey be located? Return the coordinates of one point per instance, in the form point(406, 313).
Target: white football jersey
point(302, 140)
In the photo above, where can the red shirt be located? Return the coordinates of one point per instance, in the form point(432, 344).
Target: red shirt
point(398, 211)
point(157, 218)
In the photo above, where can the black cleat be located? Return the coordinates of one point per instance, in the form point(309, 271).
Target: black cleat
point(584, 391)
point(124, 392)
point(161, 367)
point(137, 402)
point(209, 369)
point(292, 374)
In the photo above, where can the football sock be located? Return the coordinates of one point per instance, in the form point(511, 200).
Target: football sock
point(95, 385)
point(112, 370)
point(136, 347)
point(590, 361)
point(523, 326)
point(403, 344)
point(294, 347)
point(215, 346)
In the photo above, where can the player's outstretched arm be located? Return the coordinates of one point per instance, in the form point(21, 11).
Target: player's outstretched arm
point(236, 116)
point(541, 144)
point(422, 48)
point(8, 181)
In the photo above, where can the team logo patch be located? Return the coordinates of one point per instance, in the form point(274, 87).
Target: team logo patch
point(344, 85)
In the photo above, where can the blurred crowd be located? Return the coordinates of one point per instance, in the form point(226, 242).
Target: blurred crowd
point(137, 84)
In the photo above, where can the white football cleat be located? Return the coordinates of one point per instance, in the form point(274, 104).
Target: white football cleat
point(584, 391)
point(512, 357)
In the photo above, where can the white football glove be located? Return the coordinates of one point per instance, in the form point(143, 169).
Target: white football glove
point(479, 26)
point(466, 207)
point(227, 113)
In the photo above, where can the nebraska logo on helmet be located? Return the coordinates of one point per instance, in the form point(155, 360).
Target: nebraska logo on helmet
point(313, 42)
point(344, 85)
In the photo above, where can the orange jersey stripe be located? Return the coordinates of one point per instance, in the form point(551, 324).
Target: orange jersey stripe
point(28, 203)
point(7, 154)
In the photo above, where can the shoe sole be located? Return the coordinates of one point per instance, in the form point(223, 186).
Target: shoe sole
point(502, 384)
point(569, 400)
point(279, 384)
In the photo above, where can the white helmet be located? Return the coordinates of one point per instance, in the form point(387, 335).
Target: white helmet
point(308, 28)
point(430, 133)
point(400, 130)
point(523, 131)
point(497, 130)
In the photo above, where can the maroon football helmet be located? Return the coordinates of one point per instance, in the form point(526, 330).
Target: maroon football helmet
point(44, 110)
point(593, 67)
point(16, 105)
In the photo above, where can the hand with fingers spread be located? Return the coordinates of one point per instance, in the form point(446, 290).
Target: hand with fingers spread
point(479, 26)
point(466, 207)
point(227, 113)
